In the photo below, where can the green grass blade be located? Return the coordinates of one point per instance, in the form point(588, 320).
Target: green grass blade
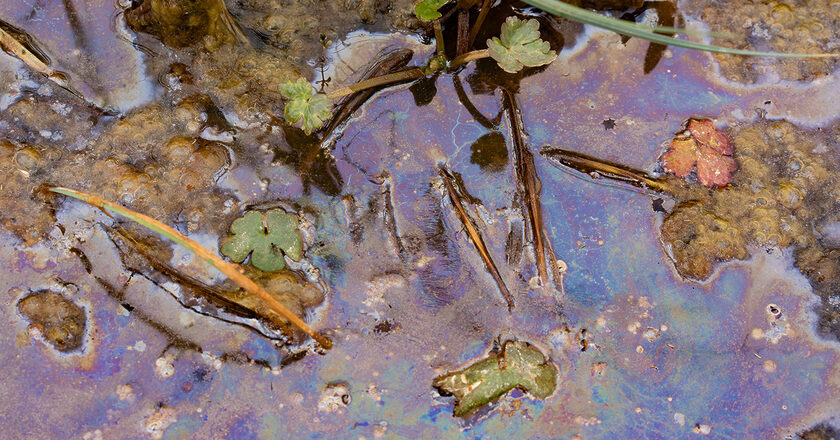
point(574, 13)
point(232, 271)
point(127, 214)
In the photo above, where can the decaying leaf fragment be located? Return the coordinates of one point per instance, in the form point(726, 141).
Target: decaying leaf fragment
point(518, 365)
point(520, 46)
point(703, 145)
point(266, 237)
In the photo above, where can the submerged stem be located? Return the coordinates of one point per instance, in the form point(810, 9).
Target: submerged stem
point(441, 50)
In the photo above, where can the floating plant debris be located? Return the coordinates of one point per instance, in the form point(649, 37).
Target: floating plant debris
point(518, 365)
point(60, 321)
point(231, 271)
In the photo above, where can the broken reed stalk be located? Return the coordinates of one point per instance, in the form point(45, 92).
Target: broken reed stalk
point(475, 236)
point(526, 176)
point(232, 26)
point(232, 271)
point(594, 167)
point(33, 58)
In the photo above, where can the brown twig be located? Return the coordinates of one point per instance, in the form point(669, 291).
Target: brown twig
point(529, 184)
point(463, 44)
point(475, 236)
point(391, 78)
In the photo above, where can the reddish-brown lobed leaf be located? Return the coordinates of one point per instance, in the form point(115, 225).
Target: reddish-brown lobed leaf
point(680, 157)
point(705, 132)
point(708, 148)
point(714, 169)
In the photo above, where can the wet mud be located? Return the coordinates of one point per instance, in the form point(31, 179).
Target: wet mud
point(693, 317)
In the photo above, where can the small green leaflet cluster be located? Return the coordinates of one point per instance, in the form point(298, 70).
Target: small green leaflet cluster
point(518, 365)
point(520, 46)
point(266, 236)
point(312, 108)
point(427, 10)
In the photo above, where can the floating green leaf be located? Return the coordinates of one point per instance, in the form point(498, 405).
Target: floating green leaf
point(518, 365)
point(313, 109)
point(266, 237)
point(427, 10)
point(520, 45)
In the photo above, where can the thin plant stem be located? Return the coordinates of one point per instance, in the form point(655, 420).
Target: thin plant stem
point(405, 75)
point(441, 50)
point(482, 14)
point(592, 166)
point(469, 56)
point(232, 271)
point(529, 185)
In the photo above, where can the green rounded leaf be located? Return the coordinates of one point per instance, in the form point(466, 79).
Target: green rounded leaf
point(266, 237)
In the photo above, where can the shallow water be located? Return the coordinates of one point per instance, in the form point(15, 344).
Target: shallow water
point(407, 296)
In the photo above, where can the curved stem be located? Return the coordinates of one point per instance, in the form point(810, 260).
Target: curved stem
point(469, 56)
point(391, 78)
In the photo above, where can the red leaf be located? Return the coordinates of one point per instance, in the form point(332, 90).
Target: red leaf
point(705, 132)
point(680, 157)
point(714, 169)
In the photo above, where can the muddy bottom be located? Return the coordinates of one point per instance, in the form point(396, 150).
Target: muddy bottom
point(473, 284)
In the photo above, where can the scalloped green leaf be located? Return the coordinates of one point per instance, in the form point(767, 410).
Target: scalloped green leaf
point(266, 237)
point(427, 10)
point(520, 46)
point(313, 109)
